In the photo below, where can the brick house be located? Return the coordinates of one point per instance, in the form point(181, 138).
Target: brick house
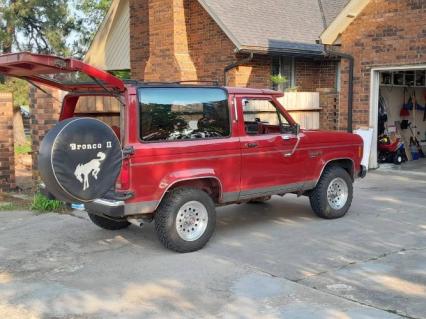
point(178, 40)
point(387, 39)
point(170, 40)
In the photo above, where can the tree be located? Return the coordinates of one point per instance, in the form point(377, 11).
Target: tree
point(41, 26)
point(90, 14)
point(47, 26)
point(20, 91)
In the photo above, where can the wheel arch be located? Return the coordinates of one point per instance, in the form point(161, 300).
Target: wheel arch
point(347, 164)
point(209, 184)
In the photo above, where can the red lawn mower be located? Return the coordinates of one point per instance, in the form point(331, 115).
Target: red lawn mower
point(391, 152)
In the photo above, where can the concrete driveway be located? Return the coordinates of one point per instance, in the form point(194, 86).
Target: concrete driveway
point(274, 260)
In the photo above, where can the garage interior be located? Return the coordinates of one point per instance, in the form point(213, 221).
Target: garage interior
point(401, 118)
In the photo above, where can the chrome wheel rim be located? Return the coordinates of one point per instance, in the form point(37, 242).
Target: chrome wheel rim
point(337, 193)
point(191, 221)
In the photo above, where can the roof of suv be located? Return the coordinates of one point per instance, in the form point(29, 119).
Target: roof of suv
point(229, 89)
point(239, 90)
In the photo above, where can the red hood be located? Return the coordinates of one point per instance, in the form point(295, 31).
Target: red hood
point(332, 137)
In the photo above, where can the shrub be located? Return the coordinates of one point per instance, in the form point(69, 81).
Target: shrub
point(22, 149)
point(43, 204)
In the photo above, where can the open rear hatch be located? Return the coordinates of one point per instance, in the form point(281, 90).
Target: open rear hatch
point(66, 74)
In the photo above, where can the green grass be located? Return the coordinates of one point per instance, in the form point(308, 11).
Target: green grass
point(4, 207)
point(23, 149)
point(7, 207)
point(43, 205)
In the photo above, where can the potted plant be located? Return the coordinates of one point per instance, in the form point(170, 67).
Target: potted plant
point(278, 80)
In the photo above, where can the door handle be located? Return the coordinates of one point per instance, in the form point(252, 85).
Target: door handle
point(251, 145)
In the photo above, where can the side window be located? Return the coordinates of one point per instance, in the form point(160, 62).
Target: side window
point(262, 117)
point(169, 114)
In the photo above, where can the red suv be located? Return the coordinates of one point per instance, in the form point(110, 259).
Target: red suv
point(180, 150)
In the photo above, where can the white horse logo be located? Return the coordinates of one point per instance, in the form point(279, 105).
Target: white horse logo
point(83, 171)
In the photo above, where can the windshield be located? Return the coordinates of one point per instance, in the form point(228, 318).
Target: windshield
point(169, 114)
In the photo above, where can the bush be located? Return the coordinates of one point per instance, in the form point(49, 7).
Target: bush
point(22, 149)
point(43, 204)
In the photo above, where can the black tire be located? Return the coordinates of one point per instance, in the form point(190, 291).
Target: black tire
point(398, 158)
point(107, 223)
point(318, 197)
point(259, 200)
point(167, 214)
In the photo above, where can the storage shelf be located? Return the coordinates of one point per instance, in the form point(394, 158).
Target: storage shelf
point(415, 78)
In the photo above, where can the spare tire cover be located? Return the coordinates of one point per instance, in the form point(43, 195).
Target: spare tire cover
point(80, 160)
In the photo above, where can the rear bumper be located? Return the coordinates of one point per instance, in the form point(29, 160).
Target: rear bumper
point(107, 207)
point(120, 209)
point(362, 172)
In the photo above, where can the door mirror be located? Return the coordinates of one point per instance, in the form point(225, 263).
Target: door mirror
point(297, 129)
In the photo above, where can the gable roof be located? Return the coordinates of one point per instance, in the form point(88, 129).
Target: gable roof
point(259, 26)
point(331, 9)
point(281, 26)
point(343, 19)
point(110, 47)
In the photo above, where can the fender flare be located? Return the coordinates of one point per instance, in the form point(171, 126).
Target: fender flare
point(170, 180)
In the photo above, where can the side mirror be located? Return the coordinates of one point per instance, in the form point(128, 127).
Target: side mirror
point(297, 129)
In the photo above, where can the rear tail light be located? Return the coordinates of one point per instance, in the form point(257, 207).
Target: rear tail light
point(124, 180)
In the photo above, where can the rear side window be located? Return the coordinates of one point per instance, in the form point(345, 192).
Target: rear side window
point(170, 114)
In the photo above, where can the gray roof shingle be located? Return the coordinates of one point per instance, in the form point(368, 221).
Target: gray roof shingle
point(274, 25)
point(332, 8)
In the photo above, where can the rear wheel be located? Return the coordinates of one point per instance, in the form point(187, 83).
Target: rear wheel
point(332, 196)
point(107, 223)
point(185, 219)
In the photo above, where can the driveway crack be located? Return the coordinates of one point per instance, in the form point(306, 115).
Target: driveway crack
point(352, 263)
point(300, 281)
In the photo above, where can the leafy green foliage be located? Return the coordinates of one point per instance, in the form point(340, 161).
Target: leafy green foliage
point(42, 204)
point(19, 88)
point(92, 13)
point(7, 207)
point(59, 27)
point(36, 25)
point(278, 79)
point(22, 149)
point(121, 74)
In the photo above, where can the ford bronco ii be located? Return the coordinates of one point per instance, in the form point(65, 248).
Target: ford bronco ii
point(179, 150)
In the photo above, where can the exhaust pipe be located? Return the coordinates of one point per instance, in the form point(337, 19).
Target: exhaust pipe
point(136, 221)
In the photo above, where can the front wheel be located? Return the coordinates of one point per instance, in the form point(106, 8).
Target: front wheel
point(398, 158)
point(185, 219)
point(333, 194)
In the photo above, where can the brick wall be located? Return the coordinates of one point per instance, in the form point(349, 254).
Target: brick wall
point(139, 38)
point(386, 33)
point(169, 37)
point(44, 115)
point(313, 74)
point(7, 161)
point(329, 104)
point(209, 47)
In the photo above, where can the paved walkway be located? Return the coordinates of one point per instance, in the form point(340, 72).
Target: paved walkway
point(274, 260)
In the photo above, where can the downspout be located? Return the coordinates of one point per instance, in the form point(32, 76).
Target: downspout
point(351, 61)
point(233, 65)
